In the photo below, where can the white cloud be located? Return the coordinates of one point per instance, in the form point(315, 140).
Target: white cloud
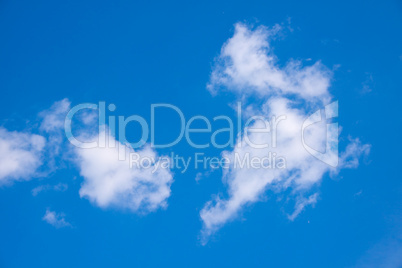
point(248, 67)
point(247, 64)
point(20, 155)
point(23, 153)
point(110, 182)
point(55, 219)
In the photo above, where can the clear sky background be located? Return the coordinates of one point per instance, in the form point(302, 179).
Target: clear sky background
point(136, 54)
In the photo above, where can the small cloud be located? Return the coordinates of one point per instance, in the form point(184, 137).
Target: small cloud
point(329, 41)
point(358, 193)
point(198, 177)
point(350, 157)
point(60, 187)
point(368, 84)
point(56, 219)
point(52, 126)
point(289, 22)
point(21, 155)
point(386, 253)
point(35, 191)
point(53, 118)
point(301, 203)
point(336, 67)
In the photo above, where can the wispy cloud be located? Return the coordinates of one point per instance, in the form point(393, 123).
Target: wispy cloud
point(53, 118)
point(56, 219)
point(52, 126)
point(301, 203)
point(368, 84)
point(60, 187)
point(386, 253)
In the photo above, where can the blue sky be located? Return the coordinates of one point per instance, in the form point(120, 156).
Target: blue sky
point(138, 54)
